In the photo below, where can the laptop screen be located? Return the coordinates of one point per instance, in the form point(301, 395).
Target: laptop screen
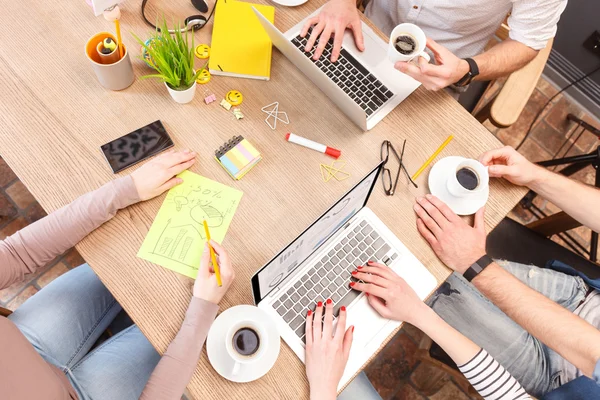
point(293, 255)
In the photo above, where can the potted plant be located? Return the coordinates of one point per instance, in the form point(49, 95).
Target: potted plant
point(173, 59)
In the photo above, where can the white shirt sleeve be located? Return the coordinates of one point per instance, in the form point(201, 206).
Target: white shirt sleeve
point(533, 22)
point(491, 380)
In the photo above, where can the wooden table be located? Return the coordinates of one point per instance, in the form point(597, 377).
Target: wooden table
point(54, 117)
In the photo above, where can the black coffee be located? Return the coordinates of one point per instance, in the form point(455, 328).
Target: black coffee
point(405, 44)
point(246, 341)
point(467, 178)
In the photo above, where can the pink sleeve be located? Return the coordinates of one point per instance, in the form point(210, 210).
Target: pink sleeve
point(177, 365)
point(37, 244)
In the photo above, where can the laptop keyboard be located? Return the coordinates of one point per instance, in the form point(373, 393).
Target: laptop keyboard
point(330, 277)
point(350, 75)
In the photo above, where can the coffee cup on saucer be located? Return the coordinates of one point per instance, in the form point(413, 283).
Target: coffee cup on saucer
point(246, 342)
point(461, 183)
point(407, 43)
point(243, 343)
point(469, 178)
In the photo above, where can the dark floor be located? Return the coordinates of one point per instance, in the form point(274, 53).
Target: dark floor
point(396, 372)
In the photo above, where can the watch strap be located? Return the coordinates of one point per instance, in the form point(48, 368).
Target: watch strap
point(477, 267)
point(469, 76)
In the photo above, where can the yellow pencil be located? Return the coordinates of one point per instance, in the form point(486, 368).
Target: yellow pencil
point(212, 255)
point(433, 156)
point(119, 42)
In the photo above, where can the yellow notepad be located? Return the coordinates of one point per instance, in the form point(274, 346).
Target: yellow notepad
point(240, 46)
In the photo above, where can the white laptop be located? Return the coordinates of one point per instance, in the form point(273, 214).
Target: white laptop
point(364, 85)
point(317, 265)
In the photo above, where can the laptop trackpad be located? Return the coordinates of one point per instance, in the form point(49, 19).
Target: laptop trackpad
point(367, 323)
point(375, 49)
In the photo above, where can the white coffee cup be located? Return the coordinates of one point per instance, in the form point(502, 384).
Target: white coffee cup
point(417, 34)
point(483, 178)
point(241, 359)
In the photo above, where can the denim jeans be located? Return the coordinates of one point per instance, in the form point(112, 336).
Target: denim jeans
point(65, 319)
point(359, 389)
point(537, 367)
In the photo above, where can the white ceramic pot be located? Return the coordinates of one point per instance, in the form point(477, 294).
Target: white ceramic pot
point(182, 96)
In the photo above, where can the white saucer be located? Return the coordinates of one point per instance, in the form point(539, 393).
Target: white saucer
point(217, 352)
point(290, 3)
point(438, 178)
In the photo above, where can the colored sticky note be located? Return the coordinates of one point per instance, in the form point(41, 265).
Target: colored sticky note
point(176, 238)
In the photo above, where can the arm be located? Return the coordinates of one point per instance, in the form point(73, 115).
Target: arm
point(177, 365)
point(393, 298)
point(459, 246)
point(576, 199)
point(531, 23)
point(33, 246)
point(564, 332)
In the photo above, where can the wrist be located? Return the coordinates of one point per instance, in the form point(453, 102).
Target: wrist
point(210, 299)
point(423, 317)
point(489, 270)
point(461, 70)
point(540, 177)
point(317, 393)
point(470, 261)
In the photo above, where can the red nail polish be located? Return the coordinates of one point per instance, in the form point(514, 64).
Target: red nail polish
point(352, 328)
point(367, 294)
point(355, 272)
point(343, 308)
point(369, 262)
point(320, 304)
point(309, 313)
point(329, 301)
point(352, 284)
point(360, 267)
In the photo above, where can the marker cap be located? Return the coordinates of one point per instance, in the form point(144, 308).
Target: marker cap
point(335, 153)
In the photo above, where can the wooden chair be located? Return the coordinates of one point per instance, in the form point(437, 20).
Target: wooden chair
point(4, 312)
point(505, 107)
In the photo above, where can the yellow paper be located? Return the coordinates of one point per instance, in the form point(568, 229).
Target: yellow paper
point(176, 238)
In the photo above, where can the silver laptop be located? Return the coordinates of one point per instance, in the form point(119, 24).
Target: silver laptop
point(364, 85)
point(318, 265)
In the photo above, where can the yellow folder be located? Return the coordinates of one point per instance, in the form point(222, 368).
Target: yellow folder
point(240, 46)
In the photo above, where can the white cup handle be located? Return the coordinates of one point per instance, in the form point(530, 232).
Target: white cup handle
point(236, 368)
point(425, 55)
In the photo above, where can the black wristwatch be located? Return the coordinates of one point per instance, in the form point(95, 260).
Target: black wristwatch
point(469, 76)
point(476, 268)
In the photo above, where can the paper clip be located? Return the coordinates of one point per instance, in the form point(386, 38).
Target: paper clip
point(210, 98)
point(226, 105)
point(334, 171)
point(272, 111)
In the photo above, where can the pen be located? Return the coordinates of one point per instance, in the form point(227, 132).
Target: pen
point(321, 148)
point(212, 255)
point(430, 159)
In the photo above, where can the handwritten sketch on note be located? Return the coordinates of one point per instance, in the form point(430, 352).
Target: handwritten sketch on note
point(176, 238)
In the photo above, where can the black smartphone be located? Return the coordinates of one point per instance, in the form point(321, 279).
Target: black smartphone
point(136, 146)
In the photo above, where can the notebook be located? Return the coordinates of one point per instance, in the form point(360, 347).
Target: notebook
point(237, 156)
point(240, 46)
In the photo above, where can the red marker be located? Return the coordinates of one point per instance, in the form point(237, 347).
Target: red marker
point(321, 148)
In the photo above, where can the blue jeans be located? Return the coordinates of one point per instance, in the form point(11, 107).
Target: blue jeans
point(537, 367)
point(65, 319)
point(359, 389)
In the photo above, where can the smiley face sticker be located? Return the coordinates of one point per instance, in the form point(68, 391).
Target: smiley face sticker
point(234, 97)
point(202, 51)
point(203, 77)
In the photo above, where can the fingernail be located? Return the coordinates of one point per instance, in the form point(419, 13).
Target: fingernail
point(416, 207)
point(354, 272)
point(419, 198)
point(361, 267)
point(343, 308)
point(366, 294)
point(320, 304)
point(352, 284)
point(309, 313)
point(186, 151)
point(369, 262)
point(428, 196)
point(352, 328)
point(329, 301)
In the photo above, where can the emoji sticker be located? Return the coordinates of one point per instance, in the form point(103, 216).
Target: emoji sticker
point(202, 51)
point(203, 77)
point(234, 97)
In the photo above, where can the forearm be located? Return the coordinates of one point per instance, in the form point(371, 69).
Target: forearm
point(562, 331)
point(503, 59)
point(576, 199)
point(35, 245)
point(177, 365)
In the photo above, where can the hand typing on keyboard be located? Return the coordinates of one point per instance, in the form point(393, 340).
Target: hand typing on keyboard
point(326, 351)
point(334, 18)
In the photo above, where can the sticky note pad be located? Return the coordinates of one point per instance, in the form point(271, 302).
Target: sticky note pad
point(237, 157)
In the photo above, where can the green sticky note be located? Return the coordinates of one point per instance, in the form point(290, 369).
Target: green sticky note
point(176, 238)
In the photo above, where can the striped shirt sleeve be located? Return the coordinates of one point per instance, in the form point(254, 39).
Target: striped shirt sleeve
point(491, 380)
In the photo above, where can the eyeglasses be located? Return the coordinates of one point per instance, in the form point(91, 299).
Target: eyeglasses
point(389, 185)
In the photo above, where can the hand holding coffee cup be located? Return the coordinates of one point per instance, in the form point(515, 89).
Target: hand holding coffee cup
point(469, 177)
point(407, 43)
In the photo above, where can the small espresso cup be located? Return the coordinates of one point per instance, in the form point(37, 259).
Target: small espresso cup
point(235, 345)
point(414, 32)
point(469, 177)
